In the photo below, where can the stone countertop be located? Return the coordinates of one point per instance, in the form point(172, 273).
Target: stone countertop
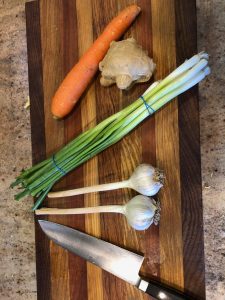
point(17, 251)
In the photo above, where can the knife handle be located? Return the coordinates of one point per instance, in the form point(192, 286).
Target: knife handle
point(161, 292)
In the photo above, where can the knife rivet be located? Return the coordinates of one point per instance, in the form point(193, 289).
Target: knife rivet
point(162, 295)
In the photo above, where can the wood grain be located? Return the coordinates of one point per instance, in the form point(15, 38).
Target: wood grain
point(128, 155)
point(190, 160)
point(109, 167)
point(50, 17)
point(88, 109)
point(72, 127)
point(167, 147)
point(55, 39)
point(174, 250)
point(38, 136)
point(147, 149)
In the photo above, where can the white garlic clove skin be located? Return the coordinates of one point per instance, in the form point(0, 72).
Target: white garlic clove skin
point(150, 190)
point(140, 212)
point(146, 180)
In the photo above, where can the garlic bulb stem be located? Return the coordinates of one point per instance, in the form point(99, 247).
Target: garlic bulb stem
point(82, 210)
point(90, 189)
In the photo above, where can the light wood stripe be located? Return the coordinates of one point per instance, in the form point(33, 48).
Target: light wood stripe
point(51, 47)
point(90, 169)
point(167, 147)
point(60, 288)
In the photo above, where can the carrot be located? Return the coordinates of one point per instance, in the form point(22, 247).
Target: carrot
point(81, 74)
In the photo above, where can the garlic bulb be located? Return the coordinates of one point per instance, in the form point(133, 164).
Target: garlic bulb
point(140, 211)
point(146, 180)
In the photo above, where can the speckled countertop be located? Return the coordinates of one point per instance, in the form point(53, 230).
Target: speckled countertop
point(17, 257)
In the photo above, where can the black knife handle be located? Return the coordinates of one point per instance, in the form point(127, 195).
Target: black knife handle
point(161, 292)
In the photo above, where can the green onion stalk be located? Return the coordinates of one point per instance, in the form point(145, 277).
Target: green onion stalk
point(38, 180)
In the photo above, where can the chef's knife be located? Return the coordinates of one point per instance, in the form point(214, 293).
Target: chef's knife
point(118, 261)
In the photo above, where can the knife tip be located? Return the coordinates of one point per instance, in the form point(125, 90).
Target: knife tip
point(42, 223)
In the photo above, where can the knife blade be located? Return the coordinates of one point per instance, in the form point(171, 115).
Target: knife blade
point(111, 258)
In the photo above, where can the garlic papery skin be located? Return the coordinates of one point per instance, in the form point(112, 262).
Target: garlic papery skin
point(146, 180)
point(140, 212)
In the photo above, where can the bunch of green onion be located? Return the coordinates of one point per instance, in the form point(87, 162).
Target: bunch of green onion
point(39, 179)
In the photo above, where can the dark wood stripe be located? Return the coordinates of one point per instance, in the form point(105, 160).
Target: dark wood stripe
point(190, 164)
point(151, 245)
point(73, 127)
point(35, 81)
point(38, 136)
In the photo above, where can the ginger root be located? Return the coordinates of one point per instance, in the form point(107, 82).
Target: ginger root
point(125, 63)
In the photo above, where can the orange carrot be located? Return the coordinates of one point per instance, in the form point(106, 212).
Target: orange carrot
point(81, 74)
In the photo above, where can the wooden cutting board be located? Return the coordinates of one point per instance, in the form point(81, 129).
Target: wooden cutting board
point(58, 32)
